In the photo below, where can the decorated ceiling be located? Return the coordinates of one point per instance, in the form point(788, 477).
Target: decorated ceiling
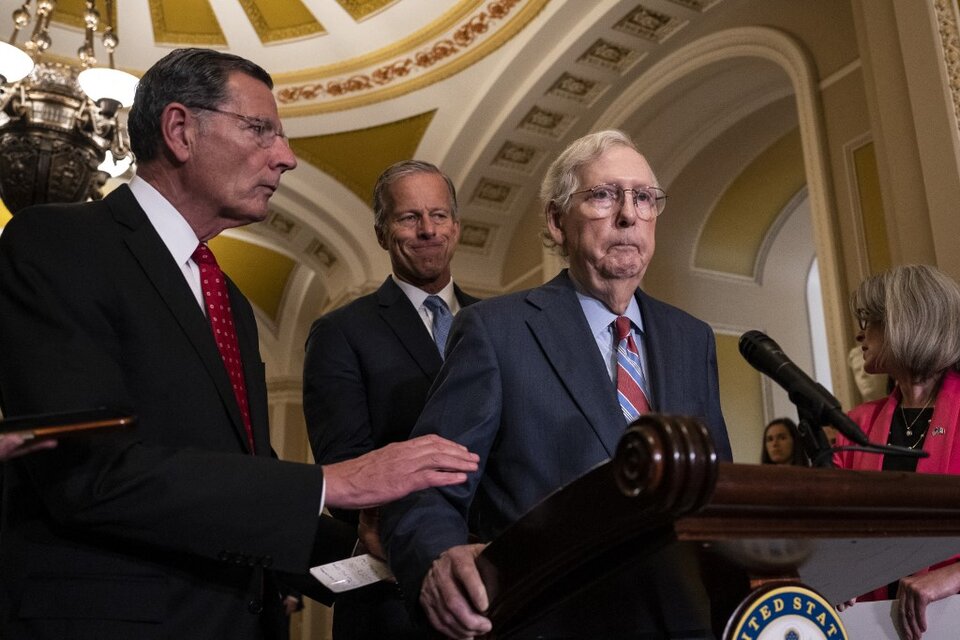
point(490, 90)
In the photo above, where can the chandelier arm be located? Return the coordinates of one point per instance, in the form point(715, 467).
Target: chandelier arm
point(56, 126)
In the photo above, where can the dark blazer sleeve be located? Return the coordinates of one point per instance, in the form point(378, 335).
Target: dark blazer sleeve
point(81, 326)
point(465, 407)
point(334, 394)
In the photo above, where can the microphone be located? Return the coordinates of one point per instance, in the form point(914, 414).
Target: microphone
point(768, 358)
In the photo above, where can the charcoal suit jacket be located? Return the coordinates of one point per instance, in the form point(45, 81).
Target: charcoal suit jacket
point(167, 529)
point(524, 386)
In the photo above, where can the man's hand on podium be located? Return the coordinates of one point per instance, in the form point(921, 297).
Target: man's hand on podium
point(453, 594)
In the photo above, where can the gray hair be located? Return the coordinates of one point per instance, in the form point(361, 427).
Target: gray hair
point(562, 180)
point(194, 77)
point(919, 306)
point(399, 170)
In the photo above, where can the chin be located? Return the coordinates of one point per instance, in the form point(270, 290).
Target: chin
point(622, 272)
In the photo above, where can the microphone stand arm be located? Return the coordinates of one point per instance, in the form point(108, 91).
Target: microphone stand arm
point(814, 440)
point(815, 443)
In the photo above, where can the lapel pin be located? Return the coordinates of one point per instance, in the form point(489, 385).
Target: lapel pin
point(939, 431)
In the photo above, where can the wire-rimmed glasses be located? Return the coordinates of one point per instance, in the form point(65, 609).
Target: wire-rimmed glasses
point(266, 132)
point(608, 199)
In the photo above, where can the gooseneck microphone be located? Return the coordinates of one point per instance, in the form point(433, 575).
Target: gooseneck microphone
point(768, 358)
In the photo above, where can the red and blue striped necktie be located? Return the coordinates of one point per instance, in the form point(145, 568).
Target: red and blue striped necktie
point(632, 399)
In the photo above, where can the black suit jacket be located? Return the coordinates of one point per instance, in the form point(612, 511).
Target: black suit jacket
point(524, 386)
point(368, 368)
point(366, 375)
point(164, 530)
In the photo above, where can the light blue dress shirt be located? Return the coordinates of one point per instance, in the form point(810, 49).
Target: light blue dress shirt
point(601, 319)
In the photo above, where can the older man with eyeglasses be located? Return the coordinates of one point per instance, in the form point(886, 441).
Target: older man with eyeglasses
point(542, 384)
point(179, 526)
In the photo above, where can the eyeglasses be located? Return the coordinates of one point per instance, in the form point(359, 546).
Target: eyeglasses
point(608, 199)
point(864, 318)
point(265, 131)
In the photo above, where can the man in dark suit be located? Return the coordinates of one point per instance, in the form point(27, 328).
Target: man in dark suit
point(174, 528)
point(370, 363)
point(532, 383)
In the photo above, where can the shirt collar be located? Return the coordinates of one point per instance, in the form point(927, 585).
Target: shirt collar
point(599, 317)
point(418, 295)
point(172, 228)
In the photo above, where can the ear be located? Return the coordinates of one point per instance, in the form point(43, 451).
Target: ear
point(381, 237)
point(178, 128)
point(554, 217)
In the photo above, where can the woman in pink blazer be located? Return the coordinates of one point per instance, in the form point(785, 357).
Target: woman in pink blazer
point(910, 329)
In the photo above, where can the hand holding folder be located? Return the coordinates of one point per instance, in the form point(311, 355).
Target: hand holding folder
point(22, 435)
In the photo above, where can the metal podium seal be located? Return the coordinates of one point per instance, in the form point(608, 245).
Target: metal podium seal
point(791, 612)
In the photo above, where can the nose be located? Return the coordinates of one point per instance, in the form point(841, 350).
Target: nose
point(426, 227)
point(628, 215)
point(283, 156)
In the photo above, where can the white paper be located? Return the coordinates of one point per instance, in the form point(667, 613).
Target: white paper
point(352, 573)
point(874, 620)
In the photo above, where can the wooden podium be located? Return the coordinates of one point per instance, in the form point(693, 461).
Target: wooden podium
point(841, 533)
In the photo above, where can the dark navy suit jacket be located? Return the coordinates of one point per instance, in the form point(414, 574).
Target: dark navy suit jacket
point(368, 367)
point(524, 386)
point(367, 371)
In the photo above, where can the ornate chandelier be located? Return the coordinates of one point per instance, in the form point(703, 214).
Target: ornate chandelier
point(58, 121)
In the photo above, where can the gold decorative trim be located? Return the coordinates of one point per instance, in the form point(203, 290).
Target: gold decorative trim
point(71, 14)
point(360, 10)
point(947, 19)
point(163, 35)
point(415, 40)
point(470, 42)
point(268, 34)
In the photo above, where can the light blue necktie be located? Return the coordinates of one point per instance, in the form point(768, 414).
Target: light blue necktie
point(442, 319)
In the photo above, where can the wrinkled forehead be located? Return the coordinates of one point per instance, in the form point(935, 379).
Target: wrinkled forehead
point(616, 165)
point(251, 96)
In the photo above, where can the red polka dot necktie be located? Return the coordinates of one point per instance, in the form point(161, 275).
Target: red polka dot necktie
point(217, 302)
point(632, 399)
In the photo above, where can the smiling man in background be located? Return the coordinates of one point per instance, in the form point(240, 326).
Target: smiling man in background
point(370, 363)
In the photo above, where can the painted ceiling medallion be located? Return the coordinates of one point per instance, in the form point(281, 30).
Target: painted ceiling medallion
point(457, 47)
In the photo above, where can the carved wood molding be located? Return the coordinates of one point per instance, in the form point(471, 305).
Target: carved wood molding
point(947, 24)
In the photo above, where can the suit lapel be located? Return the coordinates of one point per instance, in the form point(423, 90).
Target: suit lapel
point(464, 299)
point(167, 279)
point(663, 347)
point(563, 334)
point(405, 322)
